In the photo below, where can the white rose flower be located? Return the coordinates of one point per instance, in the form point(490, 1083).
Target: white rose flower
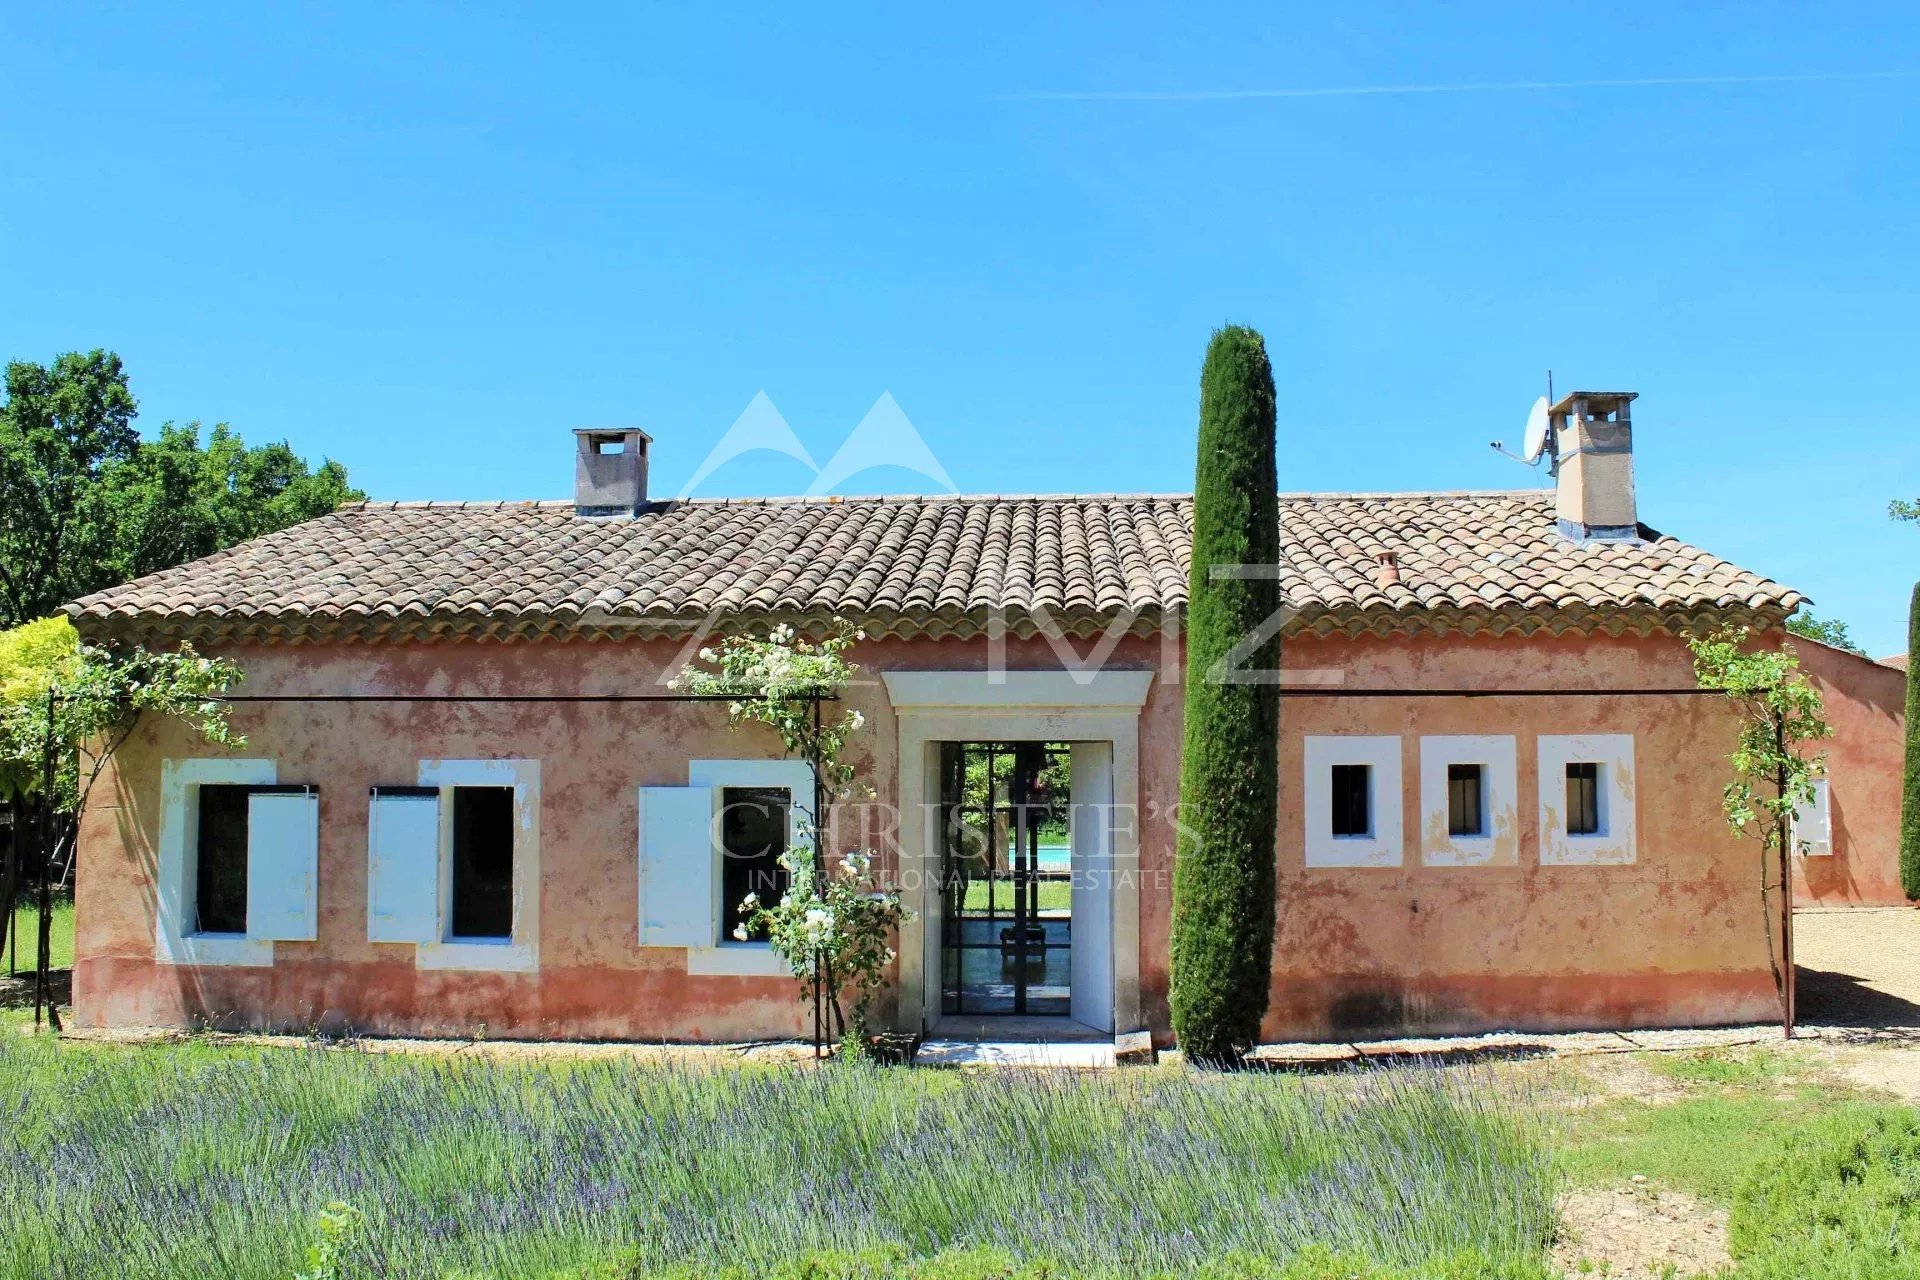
point(739, 933)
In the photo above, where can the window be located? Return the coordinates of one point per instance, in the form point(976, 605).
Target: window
point(482, 889)
point(1584, 778)
point(1813, 823)
point(1587, 793)
point(1353, 812)
point(1466, 800)
point(237, 863)
point(220, 860)
point(754, 822)
point(453, 865)
point(1352, 800)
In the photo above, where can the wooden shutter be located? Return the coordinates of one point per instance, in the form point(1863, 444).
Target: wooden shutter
point(679, 901)
point(283, 863)
point(1813, 824)
point(403, 864)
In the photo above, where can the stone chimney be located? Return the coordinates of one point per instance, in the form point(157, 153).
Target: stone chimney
point(610, 471)
point(1593, 462)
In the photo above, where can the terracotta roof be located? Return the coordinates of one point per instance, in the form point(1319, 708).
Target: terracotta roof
point(916, 565)
point(1898, 661)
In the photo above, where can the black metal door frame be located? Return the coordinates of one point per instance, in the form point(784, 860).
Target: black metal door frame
point(1019, 936)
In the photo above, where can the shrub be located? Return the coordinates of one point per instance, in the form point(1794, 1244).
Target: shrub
point(1223, 878)
point(1841, 1201)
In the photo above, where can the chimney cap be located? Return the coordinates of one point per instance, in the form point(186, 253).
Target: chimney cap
point(613, 431)
point(1599, 403)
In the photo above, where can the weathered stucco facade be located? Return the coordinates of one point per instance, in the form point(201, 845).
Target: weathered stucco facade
point(1859, 864)
point(1675, 936)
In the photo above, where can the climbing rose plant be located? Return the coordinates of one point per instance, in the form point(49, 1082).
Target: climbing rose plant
point(1781, 714)
point(835, 924)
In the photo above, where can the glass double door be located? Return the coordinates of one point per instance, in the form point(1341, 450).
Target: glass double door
point(1006, 878)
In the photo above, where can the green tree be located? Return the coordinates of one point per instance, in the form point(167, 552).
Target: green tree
point(174, 500)
point(63, 427)
point(89, 504)
point(1910, 782)
point(1780, 716)
point(1223, 879)
point(70, 706)
point(1826, 631)
point(1900, 510)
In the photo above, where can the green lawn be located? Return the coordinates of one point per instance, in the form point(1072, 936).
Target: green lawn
point(1054, 895)
point(1819, 1181)
point(27, 920)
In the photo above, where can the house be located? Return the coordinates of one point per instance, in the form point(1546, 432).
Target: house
point(1851, 830)
point(465, 806)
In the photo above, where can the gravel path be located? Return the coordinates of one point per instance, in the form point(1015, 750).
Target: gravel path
point(1858, 966)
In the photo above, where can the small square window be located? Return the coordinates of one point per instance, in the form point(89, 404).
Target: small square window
point(1466, 800)
point(754, 822)
point(220, 869)
point(1584, 779)
point(482, 863)
point(1352, 800)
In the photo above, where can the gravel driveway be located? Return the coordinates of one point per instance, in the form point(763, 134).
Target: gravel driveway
point(1858, 966)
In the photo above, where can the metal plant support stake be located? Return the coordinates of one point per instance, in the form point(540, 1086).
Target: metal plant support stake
point(42, 996)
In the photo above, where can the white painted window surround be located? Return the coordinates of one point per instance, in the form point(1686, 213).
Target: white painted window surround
point(680, 862)
point(1500, 807)
point(1384, 845)
point(1813, 824)
point(1616, 843)
point(282, 864)
point(410, 867)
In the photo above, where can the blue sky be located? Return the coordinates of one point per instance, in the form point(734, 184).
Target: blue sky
point(429, 241)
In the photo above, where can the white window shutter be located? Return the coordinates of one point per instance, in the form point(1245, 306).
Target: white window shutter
point(403, 865)
point(283, 857)
point(679, 900)
point(1813, 824)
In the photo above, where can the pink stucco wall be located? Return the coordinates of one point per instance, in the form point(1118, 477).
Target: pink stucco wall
point(1675, 938)
point(1866, 705)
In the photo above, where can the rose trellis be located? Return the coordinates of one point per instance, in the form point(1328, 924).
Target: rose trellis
point(835, 925)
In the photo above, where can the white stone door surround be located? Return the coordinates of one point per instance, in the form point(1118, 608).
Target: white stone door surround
point(932, 707)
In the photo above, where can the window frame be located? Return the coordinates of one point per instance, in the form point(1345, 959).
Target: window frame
point(1617, 842)
point(519, 951)
point(728, 956)
point(1498, 845)
point(175, 942)
point(1384, 845)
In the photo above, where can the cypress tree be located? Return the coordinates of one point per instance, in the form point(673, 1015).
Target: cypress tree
point(1910, 785)
point(1223, 876)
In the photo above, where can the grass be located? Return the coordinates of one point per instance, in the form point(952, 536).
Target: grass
point(1054, 895)
point(195, 1159)
point(27, 920)
point(1818, 1180)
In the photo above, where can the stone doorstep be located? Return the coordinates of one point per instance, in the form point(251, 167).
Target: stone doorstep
point(1004, 1053)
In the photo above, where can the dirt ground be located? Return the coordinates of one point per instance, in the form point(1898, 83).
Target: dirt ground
point(1640, 1232)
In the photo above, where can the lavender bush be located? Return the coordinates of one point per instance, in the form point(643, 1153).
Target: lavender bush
point(196, 1160)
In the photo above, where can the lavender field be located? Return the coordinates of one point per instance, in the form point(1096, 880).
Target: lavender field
point(202, 1160)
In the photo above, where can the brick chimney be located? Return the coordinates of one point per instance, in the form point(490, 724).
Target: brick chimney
point(1593, 462)
point(610, 471)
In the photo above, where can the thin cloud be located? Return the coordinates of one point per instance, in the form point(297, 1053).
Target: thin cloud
point(1392, 90)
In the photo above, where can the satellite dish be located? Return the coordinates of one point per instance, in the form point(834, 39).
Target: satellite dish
point(1534, 443)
